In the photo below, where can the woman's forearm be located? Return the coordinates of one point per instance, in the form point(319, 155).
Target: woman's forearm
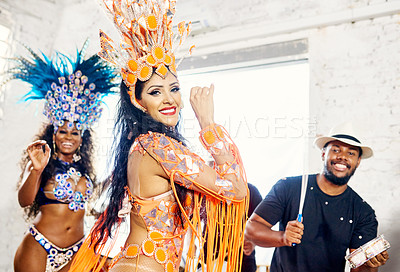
point(226, 155)
point(29, 188)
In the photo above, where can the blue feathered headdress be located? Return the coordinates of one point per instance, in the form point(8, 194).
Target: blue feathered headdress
point(73, 89)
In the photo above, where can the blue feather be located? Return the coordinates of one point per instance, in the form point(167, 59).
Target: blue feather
point(41, 72)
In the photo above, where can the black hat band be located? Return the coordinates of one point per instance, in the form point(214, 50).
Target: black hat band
point(345, 136)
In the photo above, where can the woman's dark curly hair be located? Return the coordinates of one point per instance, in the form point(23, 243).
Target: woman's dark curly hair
point(85, 163)
point(130, 123)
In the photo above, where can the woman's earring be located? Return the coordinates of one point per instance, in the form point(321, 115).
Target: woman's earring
point(54, 151)
point(76, 157)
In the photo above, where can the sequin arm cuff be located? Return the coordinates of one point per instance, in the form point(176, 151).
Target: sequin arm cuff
point(215, 139)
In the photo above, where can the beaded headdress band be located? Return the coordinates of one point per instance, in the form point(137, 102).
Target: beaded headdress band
point(147, 40)
point(74, 96)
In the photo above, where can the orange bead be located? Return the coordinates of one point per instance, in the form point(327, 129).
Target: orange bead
point(158, 53)
point(148, 247)
point(220, 132)
point(150, 60)
point(132, 251)
point(162, 70)
point(188, 201)
point(209, 137)
point(169, 267)
point(174, 208)
point(167, 60)
point(131, 79)
point(151, 22)
point(133, 66)
point(160, 255)
point(145, 73)
point(155, 235)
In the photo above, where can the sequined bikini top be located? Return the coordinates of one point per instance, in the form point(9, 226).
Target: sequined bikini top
point(67, 178)
point(165, 228)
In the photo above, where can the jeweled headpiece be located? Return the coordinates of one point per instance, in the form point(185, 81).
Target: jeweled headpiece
point(147, 40)
point(72, 89)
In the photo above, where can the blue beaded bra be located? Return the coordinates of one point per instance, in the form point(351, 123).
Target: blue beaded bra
point(66, 180)
point(64, 189)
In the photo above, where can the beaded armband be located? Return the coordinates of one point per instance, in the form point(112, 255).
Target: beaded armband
point(215, 138)
point(225, 185)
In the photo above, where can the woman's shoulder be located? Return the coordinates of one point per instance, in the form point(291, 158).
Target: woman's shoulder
point(156, 140)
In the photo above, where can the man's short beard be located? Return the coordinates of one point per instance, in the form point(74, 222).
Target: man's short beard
point(336, 180)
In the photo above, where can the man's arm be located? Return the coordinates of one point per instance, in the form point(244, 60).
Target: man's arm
point(259, 232)
point(373, 264)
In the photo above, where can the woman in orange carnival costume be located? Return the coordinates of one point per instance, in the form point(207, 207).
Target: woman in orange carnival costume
point(156, 179)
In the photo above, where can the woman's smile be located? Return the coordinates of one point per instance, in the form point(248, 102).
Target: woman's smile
point(168, 111)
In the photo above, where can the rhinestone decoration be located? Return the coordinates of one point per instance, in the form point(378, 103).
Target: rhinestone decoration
point(70, 100)
point(57, 257)
point(64, 189)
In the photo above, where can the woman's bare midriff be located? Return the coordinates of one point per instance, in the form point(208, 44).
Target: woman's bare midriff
point(59, 224)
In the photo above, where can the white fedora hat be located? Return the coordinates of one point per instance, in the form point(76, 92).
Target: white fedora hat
point(345, 133)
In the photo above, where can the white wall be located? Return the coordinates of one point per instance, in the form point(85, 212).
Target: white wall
point(354, 75)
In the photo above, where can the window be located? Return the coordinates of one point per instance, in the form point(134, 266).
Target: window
point(265, 109)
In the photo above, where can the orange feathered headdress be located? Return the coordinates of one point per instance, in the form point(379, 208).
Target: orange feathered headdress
point(147, 39)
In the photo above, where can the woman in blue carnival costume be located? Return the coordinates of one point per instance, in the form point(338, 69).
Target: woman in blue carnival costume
point(57, 178)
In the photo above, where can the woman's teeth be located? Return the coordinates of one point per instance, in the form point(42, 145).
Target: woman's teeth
point(168, 110)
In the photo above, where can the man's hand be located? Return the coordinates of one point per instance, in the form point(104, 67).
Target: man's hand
point(373, 264)
point(378, 260)
point(293, 233)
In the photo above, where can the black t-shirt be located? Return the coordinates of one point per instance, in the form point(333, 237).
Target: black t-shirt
point(332, 224)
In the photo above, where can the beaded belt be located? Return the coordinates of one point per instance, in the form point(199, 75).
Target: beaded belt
point(148, 248)
point(57, 257)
